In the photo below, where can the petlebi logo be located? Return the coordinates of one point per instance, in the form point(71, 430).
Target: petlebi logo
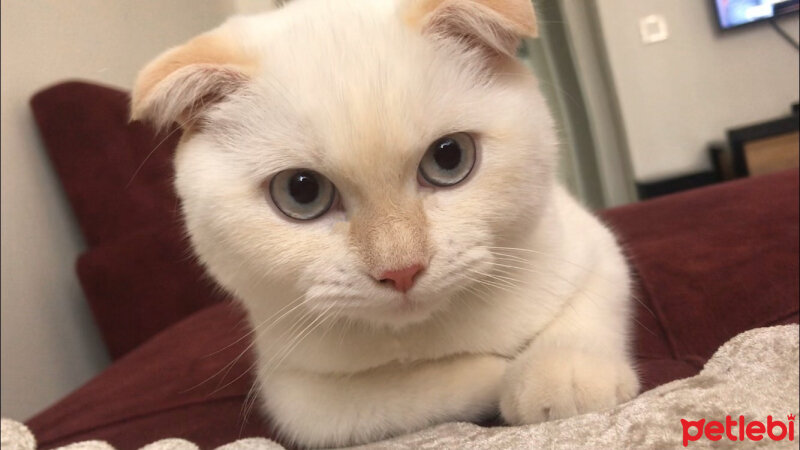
point(739, 429)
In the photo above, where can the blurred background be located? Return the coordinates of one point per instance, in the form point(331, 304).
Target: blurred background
point(650, 96)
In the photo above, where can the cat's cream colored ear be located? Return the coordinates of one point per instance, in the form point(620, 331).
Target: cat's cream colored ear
point(495, 24)
point(183, 80)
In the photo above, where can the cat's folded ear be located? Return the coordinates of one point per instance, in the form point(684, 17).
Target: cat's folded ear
point(496, 25)
point(178, 84)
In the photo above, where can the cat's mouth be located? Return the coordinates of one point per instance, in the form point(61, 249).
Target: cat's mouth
point(407, 304)
point(397, 310)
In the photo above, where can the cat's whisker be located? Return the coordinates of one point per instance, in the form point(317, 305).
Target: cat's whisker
point(632, 295)
point(252, 396)
point(489, 277)
point(301, 299)
point(255, 329)
point(525, 269)
point(249, 401)
point(307, 320)
point(490, 283)
point(253, 365)
point(297, 340)
point(591, 296)
point(552, 273)
point(463, 275)
point(296, 325)
point(231, 364)
point(508, 274)
point(487, 287)
point(506, 281)
point(249, 369)
point(227, 367)
point(479, 294)
point(524, 251)
point(511, 258)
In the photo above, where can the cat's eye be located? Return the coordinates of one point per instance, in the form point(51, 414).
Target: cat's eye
point(302, 194)
point(448, 160)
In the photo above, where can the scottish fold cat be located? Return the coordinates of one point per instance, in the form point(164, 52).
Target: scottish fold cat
point(375, 181)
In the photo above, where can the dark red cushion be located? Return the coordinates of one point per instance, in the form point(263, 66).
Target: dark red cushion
point(178, 384)
point(117, 175)
point(712, 263)
point(138, 275)
point(141, 284)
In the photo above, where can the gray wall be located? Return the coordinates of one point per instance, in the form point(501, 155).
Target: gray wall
point(49, 343)
point(679, 95)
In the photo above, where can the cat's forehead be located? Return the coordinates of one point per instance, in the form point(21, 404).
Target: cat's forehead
point(313, 29)
point(365, 92)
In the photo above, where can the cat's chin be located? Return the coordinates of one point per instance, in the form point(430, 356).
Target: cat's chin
point(397, 314)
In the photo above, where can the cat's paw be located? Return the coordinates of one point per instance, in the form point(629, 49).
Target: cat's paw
point(560, 385)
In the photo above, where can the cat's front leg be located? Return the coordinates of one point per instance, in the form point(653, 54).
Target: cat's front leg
point(316, 410)
point(578, 364)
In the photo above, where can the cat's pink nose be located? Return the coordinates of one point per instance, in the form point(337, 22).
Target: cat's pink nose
point(402, 279)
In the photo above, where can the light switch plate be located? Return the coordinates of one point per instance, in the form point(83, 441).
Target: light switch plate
point(653, 29)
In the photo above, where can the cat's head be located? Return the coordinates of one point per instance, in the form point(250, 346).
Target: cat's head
point(362, 154)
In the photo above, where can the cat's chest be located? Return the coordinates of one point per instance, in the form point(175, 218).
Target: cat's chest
point(501, 328)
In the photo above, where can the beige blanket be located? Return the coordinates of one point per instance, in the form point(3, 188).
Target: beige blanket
point(754, 375)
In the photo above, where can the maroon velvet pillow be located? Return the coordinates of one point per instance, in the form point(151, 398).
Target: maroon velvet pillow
point(117, 175)
point(189, 381)
point(142, 283)
point(138, 274)
point(712, 263)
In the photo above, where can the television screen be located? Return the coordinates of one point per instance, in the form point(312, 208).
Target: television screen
point(734, 13)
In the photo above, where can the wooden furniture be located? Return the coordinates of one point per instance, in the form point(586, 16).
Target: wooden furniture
point(765, 147)
point(757, 149)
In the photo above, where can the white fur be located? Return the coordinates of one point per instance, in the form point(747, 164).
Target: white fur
point(346, 88)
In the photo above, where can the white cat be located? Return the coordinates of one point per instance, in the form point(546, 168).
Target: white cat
point(375, 181)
